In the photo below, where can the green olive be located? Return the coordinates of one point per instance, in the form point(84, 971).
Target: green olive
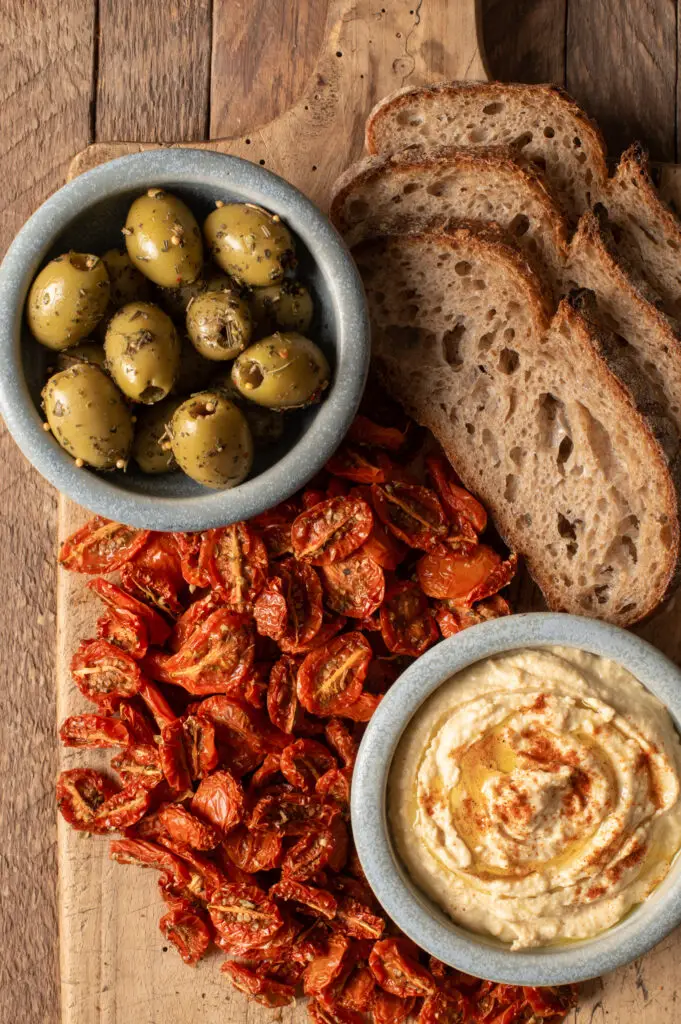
point(142, 352)
point(286, 307)
point(219, 325)
point(267, 425)
point(176, 300)
point(87, 352)
point(211, 440)
point(151, 431)
point(67, 299)
point(195, 372)
point(249, 243)
point(127, 283)
point(163, 239)
point(284, 371)
point(88, 416)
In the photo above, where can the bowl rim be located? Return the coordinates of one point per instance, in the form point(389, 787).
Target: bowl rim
point(100, 493)
point(415, 914)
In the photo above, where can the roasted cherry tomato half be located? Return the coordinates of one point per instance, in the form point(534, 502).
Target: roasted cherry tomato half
point(330, 678)
point(407, 625)
point(101, 546)
point(331, 530)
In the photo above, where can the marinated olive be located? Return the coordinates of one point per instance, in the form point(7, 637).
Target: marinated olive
point(287, 307)
point(163, 239)
point(284, 371)
point(195, 372)
point(88, 352)
point(88, 416)
point(67, 299)
point(142, 352)
point(176, 300)
point(211, 440)
point(127, 284)
point(219, 324)
point(249, 243)
point(151, 433)
point(267, 425)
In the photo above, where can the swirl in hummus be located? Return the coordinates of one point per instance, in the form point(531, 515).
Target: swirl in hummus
point(535, 796)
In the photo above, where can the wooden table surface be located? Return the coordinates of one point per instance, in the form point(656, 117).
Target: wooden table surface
point(76, 71)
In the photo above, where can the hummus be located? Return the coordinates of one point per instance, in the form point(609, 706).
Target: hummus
point(535, 796)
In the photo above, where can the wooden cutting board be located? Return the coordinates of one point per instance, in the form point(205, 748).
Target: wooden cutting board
point(115, 965)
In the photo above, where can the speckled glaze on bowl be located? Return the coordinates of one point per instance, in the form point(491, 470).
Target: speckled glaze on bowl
point(418, 917)
point(87, 215)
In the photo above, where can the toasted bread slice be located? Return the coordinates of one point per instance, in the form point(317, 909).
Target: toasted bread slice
point(540, 122)
point(418, 187)
point(562, 450)
point(646, 230)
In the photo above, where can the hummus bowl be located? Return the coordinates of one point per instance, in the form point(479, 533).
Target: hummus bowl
point(387, 766)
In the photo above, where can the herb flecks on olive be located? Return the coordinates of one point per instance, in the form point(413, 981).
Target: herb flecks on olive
point(211, 440)
point(150, 433)
point(175, 301)
point(142, 352)
point(249, 243)
point(284, 371)
point(163, 239)
point(286, 307)
point(87, 352)
point(219, 325)
point(67, 299)
point(88, 417)
point(127, 283)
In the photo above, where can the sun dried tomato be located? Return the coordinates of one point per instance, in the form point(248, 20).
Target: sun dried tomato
point(407, 625)
point(220, 801)
point(217, 657)
point(274, 526)
point(123, 809)
point(155, 573)
point(341, 739)
point(186, 828)
point(235, 720)
point(335, 785)
point(457, 575)
point(331, 530)
point(188, 932)
point(158, 629)
point(545, 1002)
point(204, 874)
point(385, 549)
point(124, 629)
point(354, 586)
point(412, 513)
point(449, 1007)
point(460, 504)
point(190, 620)
point(267, 775)
point(397, 971)
point(138, 727)
point(452, 618)
point(304, 762)
point(330, 678)
point(362, 466)
point(93, 731)
point(173, 757)
point(289, 609)
point(157, 704)
point(266, 991)
point(153, 664)
point(80, 794)
point(253, 851)
point(323, 1011)
point(199, 746)
point(101, 546)
point(512, 1014)
point(356, 887)
point(365, 431)
point(104, 673)
point(291, 814)
point(307, 898)
point(150, 855)
point(139, 762)
point(325, 847)
point(357, 920)
point(327, 965)
point(356, 989)
point(389, 1009)
point(286, 971)
point(244, 914)
point(282, 699)
point(311, 497)
point(189, 549)
point(331, 626)
point(235, 559)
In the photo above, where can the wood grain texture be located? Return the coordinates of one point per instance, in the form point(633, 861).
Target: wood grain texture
point(524, 40)
point(153, 77)
point(263, 54)
point(621, 65)
point(46, 60)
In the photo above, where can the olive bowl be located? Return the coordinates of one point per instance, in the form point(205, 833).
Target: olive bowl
point(87, 215)
point(413, 911)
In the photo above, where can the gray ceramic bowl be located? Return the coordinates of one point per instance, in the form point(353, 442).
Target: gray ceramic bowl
point(418, 917)
point(87, 215)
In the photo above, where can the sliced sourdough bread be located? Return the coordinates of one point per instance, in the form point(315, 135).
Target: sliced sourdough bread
point(416, 187)
point(646, 230)
point(564, 452)
point(540, 122)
